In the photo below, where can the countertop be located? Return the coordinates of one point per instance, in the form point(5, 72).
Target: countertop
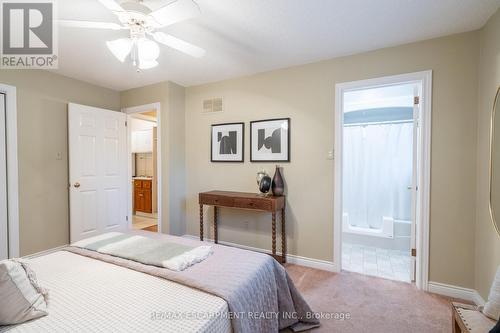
point(142, 178)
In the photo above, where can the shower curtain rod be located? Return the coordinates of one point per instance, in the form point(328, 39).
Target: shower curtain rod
point(379, 123)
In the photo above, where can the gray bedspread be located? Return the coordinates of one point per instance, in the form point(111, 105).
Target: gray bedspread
point(260, 294)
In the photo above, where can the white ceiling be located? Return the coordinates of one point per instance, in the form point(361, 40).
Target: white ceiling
point(244, 37)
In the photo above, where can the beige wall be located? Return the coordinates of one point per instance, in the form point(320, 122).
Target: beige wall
point(487, 240)
point(177, 159)
point(171, 98)
point(306, 94)
point(42, 99)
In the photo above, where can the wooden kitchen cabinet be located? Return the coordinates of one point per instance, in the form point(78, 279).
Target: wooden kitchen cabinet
point(142, 196)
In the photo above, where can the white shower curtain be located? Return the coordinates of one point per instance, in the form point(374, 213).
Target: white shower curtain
point(377, 170)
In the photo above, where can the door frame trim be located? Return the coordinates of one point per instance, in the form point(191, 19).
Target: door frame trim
point(424, 78)
point(140, 109)
point(12, 169)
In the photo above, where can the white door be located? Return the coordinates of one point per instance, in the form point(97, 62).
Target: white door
point(414, 187)
point(97, 161)
point(4, 244)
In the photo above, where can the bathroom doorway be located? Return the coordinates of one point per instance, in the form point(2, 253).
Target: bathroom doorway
point(379, 175)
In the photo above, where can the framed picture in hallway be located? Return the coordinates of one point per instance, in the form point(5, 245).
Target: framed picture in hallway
point(227, 144)
point(270, 140)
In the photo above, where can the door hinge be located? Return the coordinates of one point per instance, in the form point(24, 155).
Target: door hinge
point(126, 218)
point(416, 100)
point(126, 123)
point(413, 252)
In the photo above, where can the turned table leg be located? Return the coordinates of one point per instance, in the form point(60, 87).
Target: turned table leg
point(216, 235)
point(274, 234)
point(283, 237)
point(201, 222)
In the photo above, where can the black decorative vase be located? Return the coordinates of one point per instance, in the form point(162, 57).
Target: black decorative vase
point(265, 184)
point(278, 186)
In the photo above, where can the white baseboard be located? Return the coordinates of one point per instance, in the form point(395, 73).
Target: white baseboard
point(42, 253)
point(478, 299)
point(456, 292)
point(291, 259)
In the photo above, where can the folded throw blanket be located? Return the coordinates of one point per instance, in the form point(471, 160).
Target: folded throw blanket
point(261, 296)
point(148, 251)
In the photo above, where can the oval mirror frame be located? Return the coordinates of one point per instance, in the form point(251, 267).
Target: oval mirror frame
point(493, 133)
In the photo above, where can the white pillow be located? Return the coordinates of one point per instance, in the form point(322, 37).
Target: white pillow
point(21, 298)
point(492, 307)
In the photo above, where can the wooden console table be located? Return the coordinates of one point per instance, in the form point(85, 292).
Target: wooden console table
point(250, 201)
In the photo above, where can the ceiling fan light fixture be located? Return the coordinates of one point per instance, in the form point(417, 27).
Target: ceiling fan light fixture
point(120, 48)
point(148, 50)
point(143, 45)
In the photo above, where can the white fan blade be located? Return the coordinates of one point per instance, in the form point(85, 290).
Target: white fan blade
point(179, 44)
point(112, 5)
point(90, 24)
point(177, 11)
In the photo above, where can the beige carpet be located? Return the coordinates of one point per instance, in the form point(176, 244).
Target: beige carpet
point(375, 305)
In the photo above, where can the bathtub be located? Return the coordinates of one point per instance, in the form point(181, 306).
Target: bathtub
point(394, 234)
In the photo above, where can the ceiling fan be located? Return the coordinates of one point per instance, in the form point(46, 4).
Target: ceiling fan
point(142, 24)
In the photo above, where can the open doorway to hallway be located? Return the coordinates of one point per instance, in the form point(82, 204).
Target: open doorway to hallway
point(144, 167)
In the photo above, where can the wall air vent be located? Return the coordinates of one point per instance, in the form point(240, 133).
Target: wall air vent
point(217, 105)
point(213, 105)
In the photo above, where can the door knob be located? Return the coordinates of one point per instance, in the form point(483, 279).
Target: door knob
point(77, 185)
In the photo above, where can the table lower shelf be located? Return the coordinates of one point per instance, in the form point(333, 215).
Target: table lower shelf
point(280, 258)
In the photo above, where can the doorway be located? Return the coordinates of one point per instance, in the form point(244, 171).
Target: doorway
point(4, 230)
point(144, 163)
point(381, 177)
point(9, 184)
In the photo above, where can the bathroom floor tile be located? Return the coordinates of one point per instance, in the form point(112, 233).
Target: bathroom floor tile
point(389, 264)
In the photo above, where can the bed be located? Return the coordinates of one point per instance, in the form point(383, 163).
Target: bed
point(94, 292)
point(88, 295)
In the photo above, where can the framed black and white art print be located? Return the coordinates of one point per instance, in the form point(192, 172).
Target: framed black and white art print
point(270, 140)
point(227, 142)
